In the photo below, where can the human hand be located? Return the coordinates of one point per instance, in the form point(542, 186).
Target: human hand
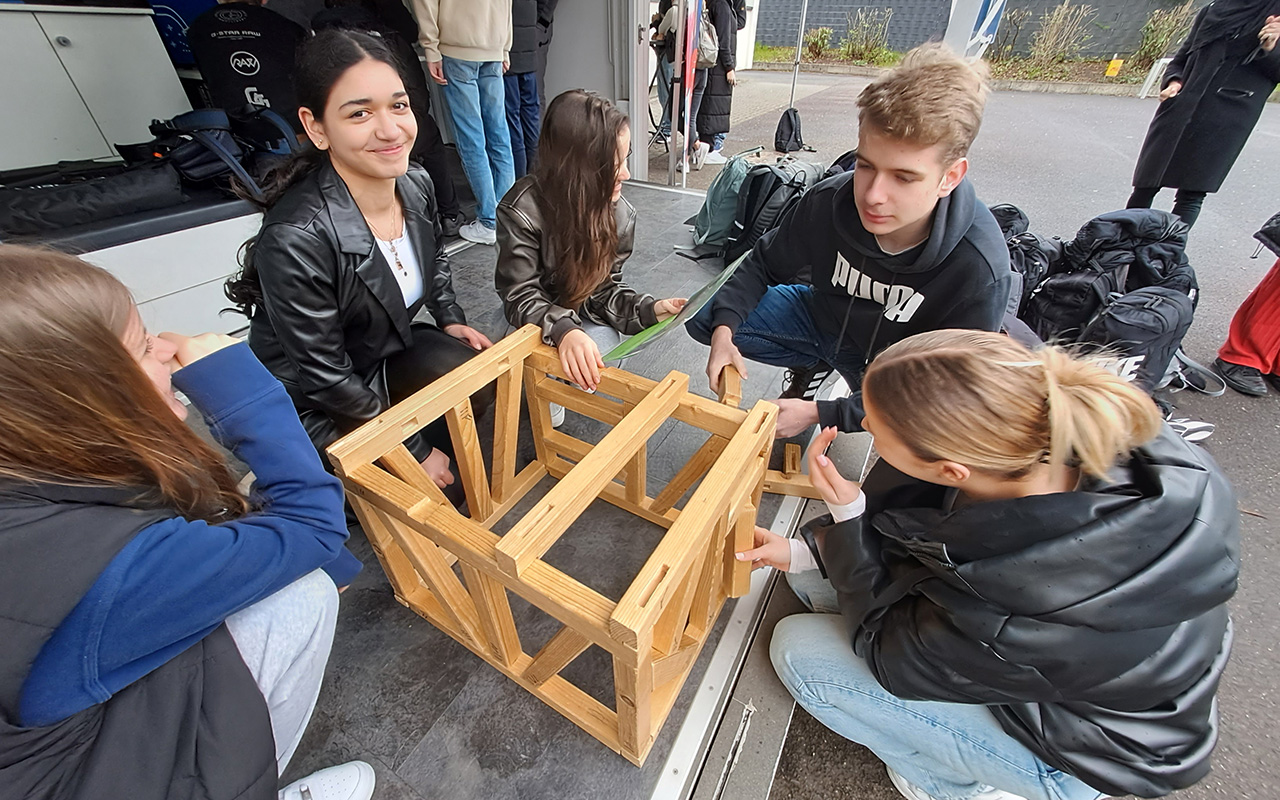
point(506, 65)
point(836, 489)
point(474, 338)
point(1269, 34)
point(1171, 90)
point(731, 77)
point(190, 349)
point(580, 359)
point(771, 550)
point(669, 307)
point(794, 416)
point(723, 353)
point(436, 465)
point(436, 68)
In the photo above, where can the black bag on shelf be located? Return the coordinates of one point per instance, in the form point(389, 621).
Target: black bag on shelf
point(31, 210)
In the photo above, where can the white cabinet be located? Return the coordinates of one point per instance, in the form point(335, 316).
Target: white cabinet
point(78, 80)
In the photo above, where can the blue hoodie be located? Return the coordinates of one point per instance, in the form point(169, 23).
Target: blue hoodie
point(178, 580)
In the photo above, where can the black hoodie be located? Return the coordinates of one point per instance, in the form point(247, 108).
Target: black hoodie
point(867, 300)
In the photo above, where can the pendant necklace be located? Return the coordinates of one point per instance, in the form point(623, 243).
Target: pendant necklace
point(391, 243)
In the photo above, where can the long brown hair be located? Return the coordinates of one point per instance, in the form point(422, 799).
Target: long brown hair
point(985, 401)
point(76, 407)
point(576, 171)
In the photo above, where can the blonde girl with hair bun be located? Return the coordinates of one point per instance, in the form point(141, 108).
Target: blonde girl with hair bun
point(1028, 601)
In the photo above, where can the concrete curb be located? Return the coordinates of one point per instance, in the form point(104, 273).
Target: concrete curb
point(1000, 85)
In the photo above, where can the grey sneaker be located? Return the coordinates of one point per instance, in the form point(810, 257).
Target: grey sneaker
point(475, 231)
point(912, 792)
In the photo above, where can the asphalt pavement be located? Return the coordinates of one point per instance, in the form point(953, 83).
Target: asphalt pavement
point(1065, 159)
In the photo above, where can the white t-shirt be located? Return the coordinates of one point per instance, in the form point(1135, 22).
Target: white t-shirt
point(408, 273)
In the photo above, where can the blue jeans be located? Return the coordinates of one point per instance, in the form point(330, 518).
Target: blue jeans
point(952, 751)
point(524, 118)
point(717, 141)
point(477, 102)
point(664, 93)
point(781, 332)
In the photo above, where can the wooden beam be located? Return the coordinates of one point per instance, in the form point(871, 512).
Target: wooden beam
point(730, 391)
point(470, 460)
point(495, 615)
point(633, 690)
point(791, 459)
point(637, 474)
point(643, 601)
point(506, 433)
point(742, 537)
point(516, 490)
point(378, 436)
point(555, 655)
point(689, 474)
point(797, 485)
point(539, 412)
point(401, 463)
point(595, 406)
point(615, 495)
point(671, 625)
point(548, 519)
point(679, 661)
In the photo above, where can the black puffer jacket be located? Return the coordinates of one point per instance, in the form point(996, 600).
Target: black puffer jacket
point(1152, 243)
point(717, 99)
point(524, 37)
point(1270, 234)
point(1092, 623)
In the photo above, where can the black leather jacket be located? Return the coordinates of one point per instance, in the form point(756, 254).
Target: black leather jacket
point(1092, 623)
point(526, 266)
point(332, 310)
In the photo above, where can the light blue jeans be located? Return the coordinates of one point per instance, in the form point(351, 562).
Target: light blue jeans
point(953, 751)
point(477, 101)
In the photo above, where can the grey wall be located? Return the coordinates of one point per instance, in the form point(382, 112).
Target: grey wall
point(1116, 24)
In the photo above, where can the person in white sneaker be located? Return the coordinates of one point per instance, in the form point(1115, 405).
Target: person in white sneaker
point(564, 233)
point(1028, 601)
point(165, 637)
point(717, 99)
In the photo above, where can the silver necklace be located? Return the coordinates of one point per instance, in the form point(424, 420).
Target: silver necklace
point(395, 254)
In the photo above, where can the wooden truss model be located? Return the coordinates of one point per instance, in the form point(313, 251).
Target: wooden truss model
point(655, 631)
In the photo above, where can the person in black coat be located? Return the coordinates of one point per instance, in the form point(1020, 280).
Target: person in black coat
point(524, 104)
point(1027, 597)
point(717, 98)
point(1214, 92)
point(391, 20)
point(350, 252)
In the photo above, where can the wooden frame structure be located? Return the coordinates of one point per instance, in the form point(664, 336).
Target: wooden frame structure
point(656, 630)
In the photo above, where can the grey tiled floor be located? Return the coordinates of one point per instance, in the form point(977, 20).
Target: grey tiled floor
point(434, 720)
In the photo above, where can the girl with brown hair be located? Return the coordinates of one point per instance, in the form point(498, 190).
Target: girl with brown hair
point(165, 637)
point(564, 232)
point(1027, 598)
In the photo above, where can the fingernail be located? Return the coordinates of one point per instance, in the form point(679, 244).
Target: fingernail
point(822, 460)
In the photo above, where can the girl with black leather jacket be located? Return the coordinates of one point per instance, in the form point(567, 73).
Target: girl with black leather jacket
point(1031, 592)
point(564, 233)
point(350, 252)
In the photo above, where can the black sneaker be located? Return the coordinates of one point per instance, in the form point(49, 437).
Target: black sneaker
point(802, 383)
point(1245, 380)
point(1274, 380)
point(450, 225)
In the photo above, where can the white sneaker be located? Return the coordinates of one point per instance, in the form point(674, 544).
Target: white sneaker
point(557, 415)
point(475, 231)
point(715, 157)
point(699, 155)
point(353, 780)
point(912, 792)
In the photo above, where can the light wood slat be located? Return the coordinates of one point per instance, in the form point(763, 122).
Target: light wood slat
point(400, 572)
point(555, 655)
point(791, 459)
point(470, 460)
point(401, 463)
point(633, 690)
point(539, 412)
point(798, 485)
point(495, 614)
point(668, 667)
point(689, 474)
point(637, 474)
point(595, 406)
point(506, 433)
point(378, 436)
point(730, 392)
point(516, 490)
point(548, 519)
point(742, 537)
point(643, 601)
point(671, 625)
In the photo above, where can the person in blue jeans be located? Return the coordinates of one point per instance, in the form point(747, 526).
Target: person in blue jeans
point(897, 246)
point(467, 45)
point(524, 108)
point(1026, 600)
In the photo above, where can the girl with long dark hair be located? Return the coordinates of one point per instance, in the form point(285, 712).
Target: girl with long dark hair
point(164, 637)
point(1028, 602)
point(564, 233)
point(350, 251)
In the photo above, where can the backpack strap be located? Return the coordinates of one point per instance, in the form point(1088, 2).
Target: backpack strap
point(1191, 374)
point(286, 132)
point(212, 144)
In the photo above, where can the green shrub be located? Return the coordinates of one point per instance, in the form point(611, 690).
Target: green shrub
point(1063, 34)
point(1163, 31)
point(867, 39)
point(817, 43)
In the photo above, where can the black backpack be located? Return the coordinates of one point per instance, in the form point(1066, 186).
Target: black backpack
point(1141, 332)
point(1011, 219)
point(1063, 304)
point(766, 194)
point(1033, 257)
point(787, 138)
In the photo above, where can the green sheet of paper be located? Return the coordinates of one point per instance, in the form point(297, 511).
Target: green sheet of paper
point(694, 304)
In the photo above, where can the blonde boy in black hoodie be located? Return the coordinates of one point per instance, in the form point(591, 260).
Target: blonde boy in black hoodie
point(897, 246)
